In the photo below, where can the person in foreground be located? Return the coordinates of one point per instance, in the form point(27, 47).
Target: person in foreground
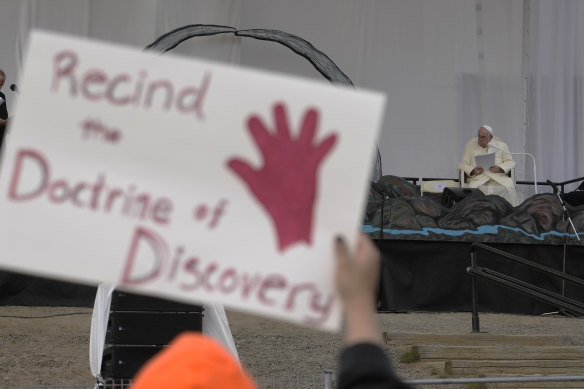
point(494, 180)
point(195, 361)
point(3, 109)
point(363, 363)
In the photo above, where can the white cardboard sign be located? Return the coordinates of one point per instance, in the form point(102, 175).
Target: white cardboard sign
point(184, 179)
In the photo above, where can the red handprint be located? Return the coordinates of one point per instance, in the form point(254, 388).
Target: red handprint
point(286, 184)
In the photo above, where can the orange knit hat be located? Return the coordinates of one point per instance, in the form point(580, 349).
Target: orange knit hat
point(192, 361)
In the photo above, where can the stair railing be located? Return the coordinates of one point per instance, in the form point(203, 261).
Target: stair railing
point(530, 290)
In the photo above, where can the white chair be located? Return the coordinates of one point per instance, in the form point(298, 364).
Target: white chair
point(436, 186)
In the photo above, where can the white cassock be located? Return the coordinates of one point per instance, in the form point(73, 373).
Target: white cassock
point(488, 182)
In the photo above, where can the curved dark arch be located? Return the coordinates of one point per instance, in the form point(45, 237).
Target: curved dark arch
point(171, 39)
point(317, 58)
point(321, 62)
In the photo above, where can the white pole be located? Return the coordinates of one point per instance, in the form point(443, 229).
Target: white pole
point(534, 168)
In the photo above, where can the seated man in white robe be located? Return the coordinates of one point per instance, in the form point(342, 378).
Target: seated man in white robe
point(495, 179)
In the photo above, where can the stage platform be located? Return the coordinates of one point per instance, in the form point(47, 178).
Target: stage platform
point(431, 276)
point(426, 248)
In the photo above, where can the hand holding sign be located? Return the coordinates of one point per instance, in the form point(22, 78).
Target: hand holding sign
point(286, 184)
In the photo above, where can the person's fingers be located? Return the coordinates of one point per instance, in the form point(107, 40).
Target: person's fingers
point(341, 250)
point(363, 250)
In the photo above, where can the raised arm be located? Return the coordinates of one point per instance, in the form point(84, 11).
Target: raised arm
point(363, 363)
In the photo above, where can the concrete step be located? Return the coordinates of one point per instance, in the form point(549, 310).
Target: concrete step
point(507, 352)
point(492, 355)
point(536, 385)
point(475, 339)
point(515, 367)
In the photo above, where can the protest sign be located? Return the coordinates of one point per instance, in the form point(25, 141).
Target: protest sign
point(183, 178)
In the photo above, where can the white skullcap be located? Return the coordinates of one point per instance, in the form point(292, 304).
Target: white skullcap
point(488, 128)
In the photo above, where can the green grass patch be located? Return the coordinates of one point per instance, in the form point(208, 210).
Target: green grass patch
point(411, 355)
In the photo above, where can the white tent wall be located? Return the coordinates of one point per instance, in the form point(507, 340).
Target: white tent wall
point(447, 66)
point(555, 130)
point(9, 59)
point(130, 21)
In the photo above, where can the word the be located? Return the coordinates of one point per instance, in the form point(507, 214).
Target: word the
point(93, 129)
point(95, 196)
point(124, 89)
point(189, 274)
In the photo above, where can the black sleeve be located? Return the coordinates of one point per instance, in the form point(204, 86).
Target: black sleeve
point(366, 366)
point(3, 115)
point(3, 108)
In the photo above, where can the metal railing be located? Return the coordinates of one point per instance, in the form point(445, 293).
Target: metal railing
point(530, 290)
point(561, 185)
point(329, 381)
point(495, 380)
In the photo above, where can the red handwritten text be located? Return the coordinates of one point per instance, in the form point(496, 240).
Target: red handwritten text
point(94, 129)
point(202, 213)
point(95, 196)
point(190, 273)
point(124, 89)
